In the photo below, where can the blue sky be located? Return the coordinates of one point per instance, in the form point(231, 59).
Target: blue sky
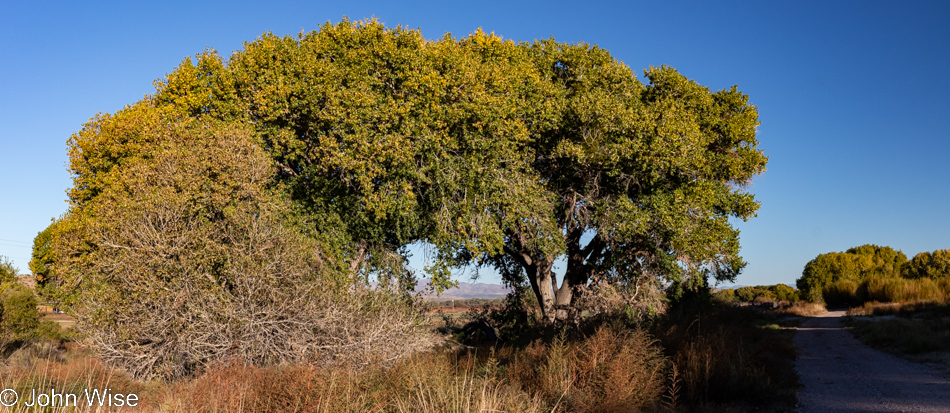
point(853, 96)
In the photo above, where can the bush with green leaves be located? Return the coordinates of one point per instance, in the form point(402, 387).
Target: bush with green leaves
point(19, 317)
point(777, 292)
point(835, 272)
point(783, 292)
point(931, 265)
point(727, 296)
point(8, 271)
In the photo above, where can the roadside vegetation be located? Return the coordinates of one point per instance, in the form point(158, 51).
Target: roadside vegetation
point(699, 355)
point(894, 304)
point(917, 331)
point(872, 273)
point(779, 298)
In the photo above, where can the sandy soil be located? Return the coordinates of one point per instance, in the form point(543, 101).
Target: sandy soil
point(840, 374)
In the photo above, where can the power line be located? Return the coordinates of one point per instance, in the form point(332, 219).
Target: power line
point(18, 242)
point(14, 245)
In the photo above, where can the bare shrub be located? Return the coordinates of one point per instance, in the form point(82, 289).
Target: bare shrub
point(196, 261)
point(638, 300)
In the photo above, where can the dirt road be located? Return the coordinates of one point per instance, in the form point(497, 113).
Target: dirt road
point(840, 374)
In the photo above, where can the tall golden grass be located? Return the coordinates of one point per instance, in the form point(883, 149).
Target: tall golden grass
point(612, 370)
point(887, 290)
point(46, 366)
point(803, 309)
point(709, 362)
point(731, 357)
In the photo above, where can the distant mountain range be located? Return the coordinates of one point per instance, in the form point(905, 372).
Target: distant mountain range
point(467, 290)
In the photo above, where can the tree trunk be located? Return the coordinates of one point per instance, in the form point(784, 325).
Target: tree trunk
point(564, 301)
point(556, 302)
point(541, 276)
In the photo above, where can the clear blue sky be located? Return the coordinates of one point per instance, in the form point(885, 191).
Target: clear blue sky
point(853, 96)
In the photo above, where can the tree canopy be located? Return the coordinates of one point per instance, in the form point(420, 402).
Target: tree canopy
point(926, 264)
point(500, 154)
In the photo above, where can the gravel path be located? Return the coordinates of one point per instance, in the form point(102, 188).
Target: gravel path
point(840, 374)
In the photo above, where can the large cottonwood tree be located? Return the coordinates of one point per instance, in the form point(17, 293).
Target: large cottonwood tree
point(510, 155)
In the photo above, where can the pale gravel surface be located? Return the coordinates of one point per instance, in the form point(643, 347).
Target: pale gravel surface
point(841, 374)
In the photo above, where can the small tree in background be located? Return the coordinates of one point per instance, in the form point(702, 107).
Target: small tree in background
point(8, 272)
point(18, 314)
point(783, 292)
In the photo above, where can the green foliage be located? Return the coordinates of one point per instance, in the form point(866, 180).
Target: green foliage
point(783, 292)
point(19, 317)
point(854, 265)
point(931, 265)
point(727, 296)
point(841, 292)
point(501, 154)
point(874, 273)
point(504, 154)
point(777, 292)
point(746, 294)
point(42, 256)
point(8, 271)
point(51, 330)
point(42, 261)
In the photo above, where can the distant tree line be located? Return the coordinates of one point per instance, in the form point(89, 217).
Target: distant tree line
point(758, 293)
point(875, 273)
point(467, 302)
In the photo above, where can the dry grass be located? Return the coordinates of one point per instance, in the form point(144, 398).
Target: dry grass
point(803, 309)
point(887, 290)
point(905, 290)
point(46, 366)
point(917, 331)
point(732, 359)
point(842, 292)
point(721, 360)
point(611, 370)
point(877, 308)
